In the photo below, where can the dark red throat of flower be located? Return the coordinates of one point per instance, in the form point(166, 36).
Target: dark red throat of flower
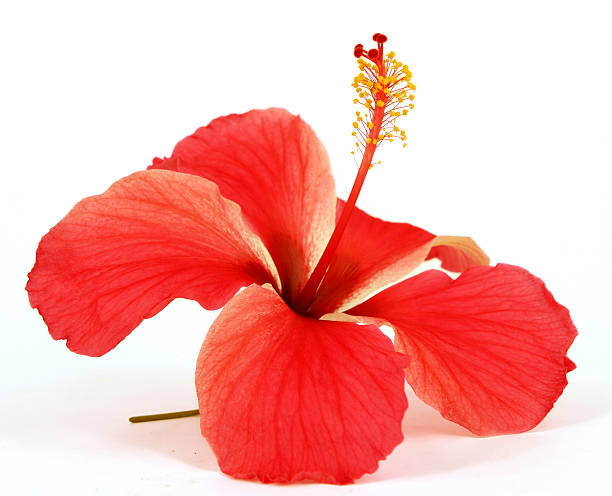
point(378, 113)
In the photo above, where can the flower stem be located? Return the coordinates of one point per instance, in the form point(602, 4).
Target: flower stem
point(164, 416)
point(306, 296)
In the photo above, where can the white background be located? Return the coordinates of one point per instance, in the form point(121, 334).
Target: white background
point(510, 143)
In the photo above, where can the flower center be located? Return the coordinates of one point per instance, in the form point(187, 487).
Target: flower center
point(382, 85)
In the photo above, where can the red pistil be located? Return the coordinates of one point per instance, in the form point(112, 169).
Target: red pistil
point(379, 38)
point(306, 296)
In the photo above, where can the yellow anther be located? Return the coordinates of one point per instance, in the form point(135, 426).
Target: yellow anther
point(379, 87)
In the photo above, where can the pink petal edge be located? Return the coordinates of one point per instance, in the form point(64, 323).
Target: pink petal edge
point(122, 256)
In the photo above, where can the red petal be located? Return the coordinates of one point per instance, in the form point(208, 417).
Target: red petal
point(372, 254)
point(487, 349)
point(120, 257)
point(272, 164)
point(457, 253)
point(285, 398)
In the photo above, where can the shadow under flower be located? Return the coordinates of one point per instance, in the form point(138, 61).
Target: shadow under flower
point(583, 401)
point(91, 411)
point(434, 445)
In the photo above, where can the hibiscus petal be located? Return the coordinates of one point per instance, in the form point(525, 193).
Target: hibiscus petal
point(285, 398)
point(487, 349)
point(120, 257)
point(272, 164)
point(457, 253)
point(372, 254)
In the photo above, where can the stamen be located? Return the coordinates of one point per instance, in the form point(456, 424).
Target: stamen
point(382, 86)
point(385, 83)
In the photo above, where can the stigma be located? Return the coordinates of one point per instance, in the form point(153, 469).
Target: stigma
point(385, 92)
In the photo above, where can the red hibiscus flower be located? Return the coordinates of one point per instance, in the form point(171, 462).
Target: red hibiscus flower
point(295, 380)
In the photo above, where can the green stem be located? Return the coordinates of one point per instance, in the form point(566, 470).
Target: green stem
point(164, 416)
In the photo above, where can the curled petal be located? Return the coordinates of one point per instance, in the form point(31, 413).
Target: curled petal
point(372, 254)
point(488, 350)
point(120, 257)
point(285, 398)
point(272, 164)
point(457, 253)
